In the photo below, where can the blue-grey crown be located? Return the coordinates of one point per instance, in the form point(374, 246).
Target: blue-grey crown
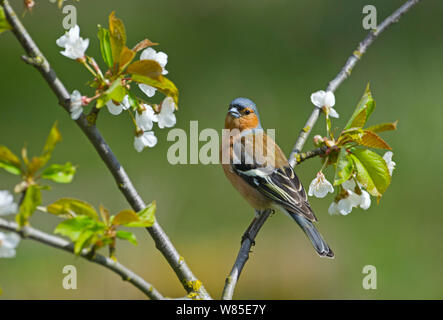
point(242, 103)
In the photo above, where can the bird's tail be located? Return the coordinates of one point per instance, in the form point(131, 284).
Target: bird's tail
point(317, 240)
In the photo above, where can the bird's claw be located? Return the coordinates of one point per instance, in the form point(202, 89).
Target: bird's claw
point(247, 236)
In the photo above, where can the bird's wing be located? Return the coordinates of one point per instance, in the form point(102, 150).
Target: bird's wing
point(270, 173)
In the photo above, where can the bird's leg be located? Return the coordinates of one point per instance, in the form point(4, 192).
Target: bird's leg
point(247, 234)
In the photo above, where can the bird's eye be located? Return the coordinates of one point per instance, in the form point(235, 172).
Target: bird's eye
point(247, 112)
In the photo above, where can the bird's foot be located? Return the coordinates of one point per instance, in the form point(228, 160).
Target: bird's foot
point(245, 236)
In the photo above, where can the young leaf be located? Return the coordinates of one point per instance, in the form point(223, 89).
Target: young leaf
point(166, 86)
point(124, 217)
point(366, 103)
point(372, 171)
point(105, 46)
point(372, 140)
point(59, 173)
point(143, 44)
point(31, 201)
point(146, 216)
point(118, 36)
point(4, 24)
point(104, 213)
point(125, 235)
point(53, 138)
point(80, 230)
point(148, 68)
point(383, 127)
point(67, 207)
point(83, 241)
point(344, 169)
point(126, 57)
point(115, 92)
point(9, 161)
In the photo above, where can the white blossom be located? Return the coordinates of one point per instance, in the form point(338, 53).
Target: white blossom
point(8, 243)
point(75, 46)
point(76, 105)
point(345, 205)
point(320, 186)
point(162, 59)
point(365, 200)
point(145, 120)
point(166, 117)
point(116, 109)
point(325, 99)
point(352, 199)
point(7, 205)
point(388, 159)
point(147, 139)
point(333, 208)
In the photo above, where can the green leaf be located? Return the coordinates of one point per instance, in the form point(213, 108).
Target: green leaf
point(344, 168)
point(81, 230)
point(9, 161)
point(125, 235)
point(4, 24)
point(68, 207)
point(31, 201)
point(117, 36)
point(366, 104)
point(372, 171)
point(148, 68)
point(383, 127)
point(53, 138)
point(59, 173)
point(166, 86)
point(147, 217)
point(83, 241)
point(115, 92)
point(105, 46)
point(124, 217)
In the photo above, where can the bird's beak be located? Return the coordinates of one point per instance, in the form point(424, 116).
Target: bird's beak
point(234, 112)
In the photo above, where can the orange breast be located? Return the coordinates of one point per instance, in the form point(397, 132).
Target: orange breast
point(254, 197)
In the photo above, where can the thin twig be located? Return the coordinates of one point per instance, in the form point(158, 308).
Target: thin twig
point(344, 73)
point(300, 157)
point(59, 243)
point(162, 242)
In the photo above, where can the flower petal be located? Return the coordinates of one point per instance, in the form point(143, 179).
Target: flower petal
point(318, 98)
point(148, 90)
point(365, 200)
point(333, 113)
point(113, 108)
point(329, 99)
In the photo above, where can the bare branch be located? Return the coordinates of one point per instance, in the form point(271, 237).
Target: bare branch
point(295, 156)
point(162, 242)
point(243, 254)
point(345, 72)
point(59, 243)
point(300, 157)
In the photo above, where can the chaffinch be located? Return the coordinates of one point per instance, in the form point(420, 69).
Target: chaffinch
point(259, 170)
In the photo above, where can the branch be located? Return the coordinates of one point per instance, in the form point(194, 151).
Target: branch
point(162, 242)
point(295, 156)
point(300, 157)
point(345, 72)
point(243, 254)
point(59, 243)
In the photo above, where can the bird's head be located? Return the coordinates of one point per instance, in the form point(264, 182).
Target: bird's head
point(242, 115)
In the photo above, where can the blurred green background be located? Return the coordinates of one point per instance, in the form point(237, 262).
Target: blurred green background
point(276, 53)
